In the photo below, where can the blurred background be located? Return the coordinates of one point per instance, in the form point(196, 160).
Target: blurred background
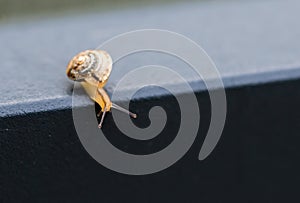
point(17, 9)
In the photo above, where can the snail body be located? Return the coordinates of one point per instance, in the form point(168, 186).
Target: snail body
point(92, 69)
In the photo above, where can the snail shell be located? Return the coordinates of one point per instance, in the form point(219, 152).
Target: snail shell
point(91, 66)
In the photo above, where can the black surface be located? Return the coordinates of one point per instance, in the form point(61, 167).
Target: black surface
point(256, 160)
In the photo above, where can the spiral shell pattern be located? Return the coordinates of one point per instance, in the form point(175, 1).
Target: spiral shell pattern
point(93, 65)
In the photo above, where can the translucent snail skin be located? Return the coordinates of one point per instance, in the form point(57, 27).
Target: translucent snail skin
point(92, 69)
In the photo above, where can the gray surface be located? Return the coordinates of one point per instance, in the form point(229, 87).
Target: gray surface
point(250, 42)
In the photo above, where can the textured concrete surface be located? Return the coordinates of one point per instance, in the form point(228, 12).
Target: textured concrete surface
point(250, 42)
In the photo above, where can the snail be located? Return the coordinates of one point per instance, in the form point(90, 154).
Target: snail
point(92, 69)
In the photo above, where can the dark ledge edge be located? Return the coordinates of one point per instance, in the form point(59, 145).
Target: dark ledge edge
point(232, 81)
